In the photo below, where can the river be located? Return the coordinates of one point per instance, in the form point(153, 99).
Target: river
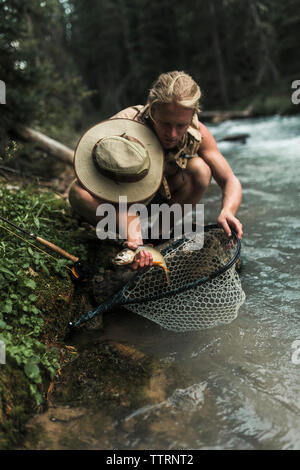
point(245, 390)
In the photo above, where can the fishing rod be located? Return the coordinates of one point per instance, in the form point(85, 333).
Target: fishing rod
point(81, 271)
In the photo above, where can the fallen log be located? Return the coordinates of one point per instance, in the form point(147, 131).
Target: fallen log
point(218, 116)
point(49, 145)
point(234, 138)
point(66, 154)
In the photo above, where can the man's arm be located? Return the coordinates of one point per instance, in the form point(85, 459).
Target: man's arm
point(134, 239)
point(228, 182)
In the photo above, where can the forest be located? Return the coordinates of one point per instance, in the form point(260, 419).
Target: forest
point(69, 63)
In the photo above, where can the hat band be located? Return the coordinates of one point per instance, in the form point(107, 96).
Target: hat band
point(120, 177)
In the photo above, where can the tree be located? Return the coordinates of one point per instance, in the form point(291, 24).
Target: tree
point(218, 54)
point(41, 84)
point(262, 27)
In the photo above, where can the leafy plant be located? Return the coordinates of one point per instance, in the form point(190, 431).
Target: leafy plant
point(21, 268)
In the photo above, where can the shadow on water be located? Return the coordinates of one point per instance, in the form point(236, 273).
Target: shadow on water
point(230, 387)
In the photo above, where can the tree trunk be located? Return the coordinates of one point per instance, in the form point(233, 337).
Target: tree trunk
point(266, 67)
point(51, 146)
point(218, 54)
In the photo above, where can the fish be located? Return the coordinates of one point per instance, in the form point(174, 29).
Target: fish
point(128, 256)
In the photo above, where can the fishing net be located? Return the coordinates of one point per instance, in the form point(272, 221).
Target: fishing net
point(204, 291)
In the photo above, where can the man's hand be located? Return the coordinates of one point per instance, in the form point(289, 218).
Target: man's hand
point(143, 258)
point(228, 221)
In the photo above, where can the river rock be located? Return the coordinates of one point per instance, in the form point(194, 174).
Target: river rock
point(98, 393)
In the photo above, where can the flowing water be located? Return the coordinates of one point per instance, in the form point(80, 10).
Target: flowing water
point(245, 390)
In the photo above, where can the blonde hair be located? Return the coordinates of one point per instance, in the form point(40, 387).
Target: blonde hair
point(175, 87)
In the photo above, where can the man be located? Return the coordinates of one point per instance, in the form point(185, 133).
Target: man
point(191, 158)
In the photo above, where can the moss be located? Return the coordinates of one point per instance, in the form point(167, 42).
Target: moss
point(16, 405)
point(97, 390)
point(115, 378)
point(105, 377)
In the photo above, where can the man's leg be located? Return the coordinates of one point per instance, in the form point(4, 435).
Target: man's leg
point(189, 186)
point(84, 203)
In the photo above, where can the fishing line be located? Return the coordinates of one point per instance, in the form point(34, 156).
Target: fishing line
point(34, 246)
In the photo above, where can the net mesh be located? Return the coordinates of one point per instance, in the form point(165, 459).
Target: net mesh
point(191, 301)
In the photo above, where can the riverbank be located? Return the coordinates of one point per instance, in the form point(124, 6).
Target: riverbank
point(37, 299)
point(247, 365)
point(48, 379)
point(275, 100)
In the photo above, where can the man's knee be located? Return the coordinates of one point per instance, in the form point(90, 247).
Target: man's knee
point(200, 173)
point(74, 194)
point(78, 196)
point(82, 202)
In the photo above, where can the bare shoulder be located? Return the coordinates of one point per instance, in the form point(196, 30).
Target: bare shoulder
point(208, 141)
point(128, 113)
point(210, 153)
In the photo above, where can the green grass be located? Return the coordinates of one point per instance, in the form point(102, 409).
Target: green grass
point(32, 288)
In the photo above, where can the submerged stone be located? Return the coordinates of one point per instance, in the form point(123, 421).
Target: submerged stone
point(99, 392)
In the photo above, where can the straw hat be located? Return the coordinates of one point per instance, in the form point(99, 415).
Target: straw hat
point(120, 157)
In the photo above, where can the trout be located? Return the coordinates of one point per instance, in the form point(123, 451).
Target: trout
point(128, 256)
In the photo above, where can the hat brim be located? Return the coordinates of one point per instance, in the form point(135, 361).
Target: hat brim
point(105, 188)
